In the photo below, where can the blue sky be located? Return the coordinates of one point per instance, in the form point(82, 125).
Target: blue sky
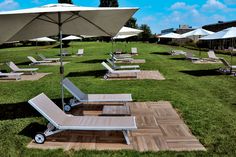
point(156, 13)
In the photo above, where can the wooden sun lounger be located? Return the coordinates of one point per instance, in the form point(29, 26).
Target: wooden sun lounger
point(15, 69)
point(48, 59)
point(80, 52)
point(177, 52)
point(228, 68)
point(212, 56)
point(114, 66)
point(80, 97)
point(119, 73)
point(16, 76)
point(190, 56)
point(60, 121)
point(34, 61)
point(134, 51)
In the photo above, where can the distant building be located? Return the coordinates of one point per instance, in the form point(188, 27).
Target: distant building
point(219, 26)
point(184, 29)
point(181, 30)
point(169, 30)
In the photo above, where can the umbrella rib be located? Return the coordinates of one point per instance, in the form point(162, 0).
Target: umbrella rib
point(53, 21)
point(93, 24)
point(69, 19)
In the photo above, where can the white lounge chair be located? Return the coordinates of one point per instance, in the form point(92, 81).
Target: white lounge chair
point(212, 56)
point(134, 51)
point(116, 67)
point(177, 52)
point(80, 52)
point(48, 59)
point(34, 61)
point(65, 53)
point(190, 56)
point(15, 68)
point(119, 73)
point(228, 68)
point(80, 97)
point(16, 76)
point(59, 121)
point(116, 58)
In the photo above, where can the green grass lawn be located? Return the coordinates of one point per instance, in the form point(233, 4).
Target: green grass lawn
point(205, 99)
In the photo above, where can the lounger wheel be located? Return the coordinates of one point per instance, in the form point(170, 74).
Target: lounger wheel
point(67, 108)
point(40, 138)
point(105, 77)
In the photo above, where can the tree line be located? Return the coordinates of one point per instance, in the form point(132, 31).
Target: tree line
point(147, 33)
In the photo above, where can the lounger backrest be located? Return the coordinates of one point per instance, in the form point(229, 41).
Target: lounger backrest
point(80, 51)
point(13, 66)
point(75, 91)
point(211, 54)
point(42, 56)
point(112, 63)
point(225, 62)
point(134, 50)
point(48, 109)
point(189, 55)
point(32, 59)
point(107, 67)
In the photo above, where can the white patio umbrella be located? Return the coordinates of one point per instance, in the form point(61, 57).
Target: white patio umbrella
point(129, 31)
point(71, 37)
point(171, 36)
point(196, 34)
point(228, 33)
point(224, 34)
point(126, 32)
point(43, 39)
point(56, 19)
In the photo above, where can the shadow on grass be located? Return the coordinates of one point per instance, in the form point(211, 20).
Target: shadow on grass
point(200, 73)
point(96, 73)
point(160, 53)
point(32, 129)
point(93, 61)
point(24, 63)
point(21, 110)
point(178, 59)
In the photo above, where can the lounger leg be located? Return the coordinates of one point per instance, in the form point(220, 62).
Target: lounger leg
point(125, 133)
point(50, 131)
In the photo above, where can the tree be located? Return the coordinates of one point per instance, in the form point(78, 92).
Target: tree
point(109, 3)
point(146, 34)
point(132, 23)
point(65, 1)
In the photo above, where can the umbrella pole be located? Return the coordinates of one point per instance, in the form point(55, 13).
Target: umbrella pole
point(61, 61)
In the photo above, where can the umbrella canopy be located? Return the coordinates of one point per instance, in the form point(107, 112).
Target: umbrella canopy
point(127, 32)
point(43, 39)
point(45, 21)
point(197, 32)
point(124, 36)
point(171, 36)
point(72, 37)
point(224, 34)
point(54, 19)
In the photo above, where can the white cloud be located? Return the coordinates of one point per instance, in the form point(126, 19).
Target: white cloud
point(192, 9)
point(8, 5)
point(214, 5)
point(182, 5)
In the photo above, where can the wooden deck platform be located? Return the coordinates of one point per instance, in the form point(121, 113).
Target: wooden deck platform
point(159, 128)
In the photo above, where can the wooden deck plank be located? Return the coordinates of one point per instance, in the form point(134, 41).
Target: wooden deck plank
point(160, 128)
